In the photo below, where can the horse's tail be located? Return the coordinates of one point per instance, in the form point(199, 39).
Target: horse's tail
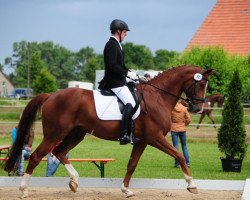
point(23, 129)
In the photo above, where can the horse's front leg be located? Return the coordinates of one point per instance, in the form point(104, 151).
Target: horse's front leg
point(73, 174)
point(162, 144)
point(68, 143)
point(212, 119)
point(133, 161)
point(200, 120)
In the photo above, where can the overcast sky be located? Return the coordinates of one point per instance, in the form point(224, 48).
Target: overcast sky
point(74, 24)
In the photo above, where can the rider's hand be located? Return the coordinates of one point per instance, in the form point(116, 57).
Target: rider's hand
point(143, 79)
point(132, 75)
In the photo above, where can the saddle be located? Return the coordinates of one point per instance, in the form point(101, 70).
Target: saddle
point(109, 107)
point(131, 87)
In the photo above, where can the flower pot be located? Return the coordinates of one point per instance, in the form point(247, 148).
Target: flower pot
point(231, 165)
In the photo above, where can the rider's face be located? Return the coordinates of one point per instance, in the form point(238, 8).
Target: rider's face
point(123, 34)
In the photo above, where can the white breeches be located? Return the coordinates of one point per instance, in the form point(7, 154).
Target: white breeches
point(124, 95)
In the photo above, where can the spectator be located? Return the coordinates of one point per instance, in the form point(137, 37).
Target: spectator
point(180, 119)
point(13, 134)
point(52, 162)
point(26, 152)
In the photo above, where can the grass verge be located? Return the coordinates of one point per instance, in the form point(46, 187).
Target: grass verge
point(204, 156)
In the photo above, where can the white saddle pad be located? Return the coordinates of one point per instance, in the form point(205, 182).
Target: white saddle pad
point(107, 107)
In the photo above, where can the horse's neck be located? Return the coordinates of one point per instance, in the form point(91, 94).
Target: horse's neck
point(167, 90)
point(170, 85)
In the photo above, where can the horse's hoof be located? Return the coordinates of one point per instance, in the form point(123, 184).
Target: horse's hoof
point(24, 192)
point(126, 191)
point(73, 186)
point(193, 190)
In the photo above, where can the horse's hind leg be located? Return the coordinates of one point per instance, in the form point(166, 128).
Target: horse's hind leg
point(133, 161)
point(162, 144)
point(35, 158)
point(212, 119)
point(68, 143)
point(200, 120)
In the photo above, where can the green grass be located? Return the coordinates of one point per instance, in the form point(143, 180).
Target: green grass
point(12, 102)
point(9, 116)
point(205, 161)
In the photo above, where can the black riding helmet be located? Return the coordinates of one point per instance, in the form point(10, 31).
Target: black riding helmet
point(118, 24)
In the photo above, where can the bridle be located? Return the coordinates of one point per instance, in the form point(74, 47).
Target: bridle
point(191, 99)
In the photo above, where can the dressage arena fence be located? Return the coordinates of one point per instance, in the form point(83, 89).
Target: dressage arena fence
point(136, 183)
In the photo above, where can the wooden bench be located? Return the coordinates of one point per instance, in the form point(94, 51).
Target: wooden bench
point(95, 161)
point(4, 149)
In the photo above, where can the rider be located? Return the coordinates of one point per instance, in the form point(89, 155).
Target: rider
point(115, 75)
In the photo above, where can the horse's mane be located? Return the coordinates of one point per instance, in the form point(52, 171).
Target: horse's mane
point(169, 70)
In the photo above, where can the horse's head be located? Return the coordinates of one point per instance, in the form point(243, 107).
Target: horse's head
point(215, 98)
point(195, 89)
point(220, 100)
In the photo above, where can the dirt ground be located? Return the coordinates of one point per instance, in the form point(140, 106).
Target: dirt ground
point(116, 194)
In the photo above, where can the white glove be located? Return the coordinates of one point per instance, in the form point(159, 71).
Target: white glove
point(132, 75)
point(143, 79)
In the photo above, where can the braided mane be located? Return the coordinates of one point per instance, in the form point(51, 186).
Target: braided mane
point(171, 69)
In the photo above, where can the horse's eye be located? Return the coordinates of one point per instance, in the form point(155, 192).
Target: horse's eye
point(202, 85)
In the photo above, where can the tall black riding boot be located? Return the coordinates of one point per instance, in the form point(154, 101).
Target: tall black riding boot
point(126, 124)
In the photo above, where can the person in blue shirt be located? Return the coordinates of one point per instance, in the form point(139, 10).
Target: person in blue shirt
point(52, 162)
point(13, 134)
point(26, 152)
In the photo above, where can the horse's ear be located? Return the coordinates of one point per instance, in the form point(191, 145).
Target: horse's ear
point(209, 72)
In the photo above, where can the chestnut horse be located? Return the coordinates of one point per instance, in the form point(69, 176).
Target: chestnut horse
point(210, 100)
point(68, 114)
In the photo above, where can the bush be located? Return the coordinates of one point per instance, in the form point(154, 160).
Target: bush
point(232, 134)
point(215, 57)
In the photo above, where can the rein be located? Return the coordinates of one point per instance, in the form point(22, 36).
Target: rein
point(188, 99)
point(178, 97)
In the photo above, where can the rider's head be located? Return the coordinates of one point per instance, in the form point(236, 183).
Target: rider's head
point(119, 29)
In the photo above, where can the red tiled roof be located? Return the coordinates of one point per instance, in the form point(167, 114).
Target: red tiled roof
point(227, 25)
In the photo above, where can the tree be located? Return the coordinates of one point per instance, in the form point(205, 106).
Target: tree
point(89, 71)
point(87, 61)
point(82, 57)
point(210, 58)
point(58, 60)
point(35, 65)
point(138, 56)
point(163, 58)
point(232, 134)
point(44, 82)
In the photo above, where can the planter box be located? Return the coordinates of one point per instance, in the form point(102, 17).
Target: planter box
point(231, 165)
